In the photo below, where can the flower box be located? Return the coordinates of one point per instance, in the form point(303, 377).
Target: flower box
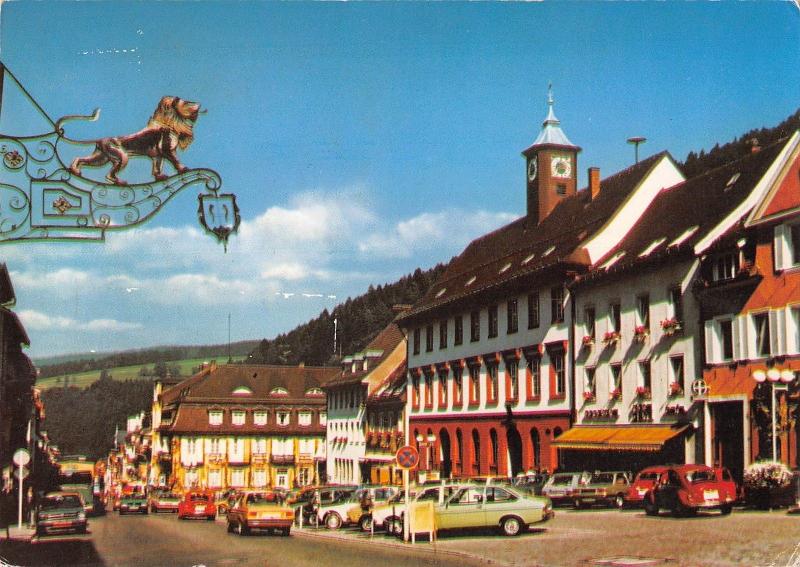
point(670, 326)
point(587, 341)
point(640, 333)
point(611, 337)
point(643, 392)
point(675, 389)
point(615, 394)
point(589, 396)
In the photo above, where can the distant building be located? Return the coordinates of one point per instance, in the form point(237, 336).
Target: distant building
point(365, 414)
point(243, 426)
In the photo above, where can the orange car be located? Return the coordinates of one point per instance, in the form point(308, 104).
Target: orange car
point(260, 511)
point(197, 504)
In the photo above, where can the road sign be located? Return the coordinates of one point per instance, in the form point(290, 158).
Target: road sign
point(407, 457)
point(23, 471)
point(21, 457)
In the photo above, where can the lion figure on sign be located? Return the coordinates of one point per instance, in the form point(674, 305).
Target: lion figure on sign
point(170, 128)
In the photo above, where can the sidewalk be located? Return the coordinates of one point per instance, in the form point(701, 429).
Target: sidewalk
point(381, 539)
point(26, 533)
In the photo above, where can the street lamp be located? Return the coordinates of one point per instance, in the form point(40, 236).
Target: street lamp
point(778, 379)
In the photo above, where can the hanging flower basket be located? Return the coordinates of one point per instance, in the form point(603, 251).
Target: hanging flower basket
point(675, 389)
point(670, 326)
point(640, 333)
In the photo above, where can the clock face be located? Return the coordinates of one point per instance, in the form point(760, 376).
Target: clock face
point(561, 166)
point(532, 169)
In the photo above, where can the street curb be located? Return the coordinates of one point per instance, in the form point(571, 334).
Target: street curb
point(423, 547)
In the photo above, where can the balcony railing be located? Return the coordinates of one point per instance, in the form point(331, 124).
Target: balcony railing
point(282, 459)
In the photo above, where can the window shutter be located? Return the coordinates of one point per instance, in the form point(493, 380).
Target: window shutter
point(709, 332)
point(777, 332)
point(739, 349)
point(780, 247)
point(790, 324)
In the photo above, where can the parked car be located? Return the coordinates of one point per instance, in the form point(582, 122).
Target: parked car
point(260, 511)
point(225, 500)
point(532, 480)
point(559, 487)
point(504, 507)
point(324, 496)
point(133, 502)
point(334, 514)
point(685, 489)
point(369, 497)
point(163, 501)
point(62, 512)
point(644, 481)
point(605, 488)
point(390, 515)
point(197, 504)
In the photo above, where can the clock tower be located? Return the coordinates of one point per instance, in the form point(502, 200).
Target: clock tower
point(550, 167)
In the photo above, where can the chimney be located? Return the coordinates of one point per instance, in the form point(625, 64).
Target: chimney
point(594, 182)
point(754, 148)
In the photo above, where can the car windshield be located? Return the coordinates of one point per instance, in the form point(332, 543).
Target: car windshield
point(701, 475)
point(561, 479)
point(55, 502)
point(602, 478)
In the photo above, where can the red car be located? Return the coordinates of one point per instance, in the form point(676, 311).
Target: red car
point(685, 489)
point(197, 504)
point(644, 481)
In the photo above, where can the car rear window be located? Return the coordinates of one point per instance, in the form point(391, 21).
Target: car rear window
point(700, 476)
point(602, 478)
point(54, 502)
point(561, 479)
point(198, 498)
point(648, 476)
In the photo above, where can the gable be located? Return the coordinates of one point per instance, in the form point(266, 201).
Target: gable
point(784, 196)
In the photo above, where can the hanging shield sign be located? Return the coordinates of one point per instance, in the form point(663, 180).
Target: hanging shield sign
point(219, 215)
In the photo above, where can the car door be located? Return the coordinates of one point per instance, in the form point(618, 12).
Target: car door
point(463, 510)
point(667, 490)
point(498, 503)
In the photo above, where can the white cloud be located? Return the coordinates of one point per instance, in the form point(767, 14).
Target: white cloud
point(38, 321)
point(445, 230)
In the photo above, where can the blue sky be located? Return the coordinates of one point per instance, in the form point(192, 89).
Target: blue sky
point(362, 139)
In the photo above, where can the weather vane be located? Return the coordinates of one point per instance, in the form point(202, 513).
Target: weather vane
point(43, 199)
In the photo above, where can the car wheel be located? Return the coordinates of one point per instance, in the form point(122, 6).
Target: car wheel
point(681, 511)
point(210, 518)
point(365, 523)
point(286, 531)
point(725, 510)
point(333, 521)
point(241, 529)
point(577, 504)
point(619, 501)
point(230, 528)
point(650, 508)
point(511, 526)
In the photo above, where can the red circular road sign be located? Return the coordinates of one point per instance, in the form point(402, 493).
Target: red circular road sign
point(407, 457)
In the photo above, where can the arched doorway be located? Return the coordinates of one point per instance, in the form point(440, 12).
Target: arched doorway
point(514, 442)
point(445, 456)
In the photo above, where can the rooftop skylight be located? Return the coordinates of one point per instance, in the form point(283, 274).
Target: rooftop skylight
point(471, 281)
point(686, 234)
point(653, 245)
point(441, 292)
point(548, 251)
point(505, 268)
point(734, 178)
point(528, 259)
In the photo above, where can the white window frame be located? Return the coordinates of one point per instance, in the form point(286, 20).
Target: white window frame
point(215, 417)
point(714, 338)
point(304, 418)
point(279, 418)
point(323, 418)
point(260, 417)
point(783, 248)
point(237, 417)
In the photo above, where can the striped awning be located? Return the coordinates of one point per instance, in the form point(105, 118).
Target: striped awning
point(620, 438)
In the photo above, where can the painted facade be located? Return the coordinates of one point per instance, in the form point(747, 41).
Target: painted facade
point(491, 354)
point(750, 294)
point(244, 426)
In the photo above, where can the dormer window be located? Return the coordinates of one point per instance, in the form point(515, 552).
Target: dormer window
point(279, 391)
point(215, 417)
point(237, 417)
point(725, 267)
point(242, 391)
point(314, 392)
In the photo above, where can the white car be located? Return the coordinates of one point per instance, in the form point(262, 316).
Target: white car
point(389, 516)
point(334, 515)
